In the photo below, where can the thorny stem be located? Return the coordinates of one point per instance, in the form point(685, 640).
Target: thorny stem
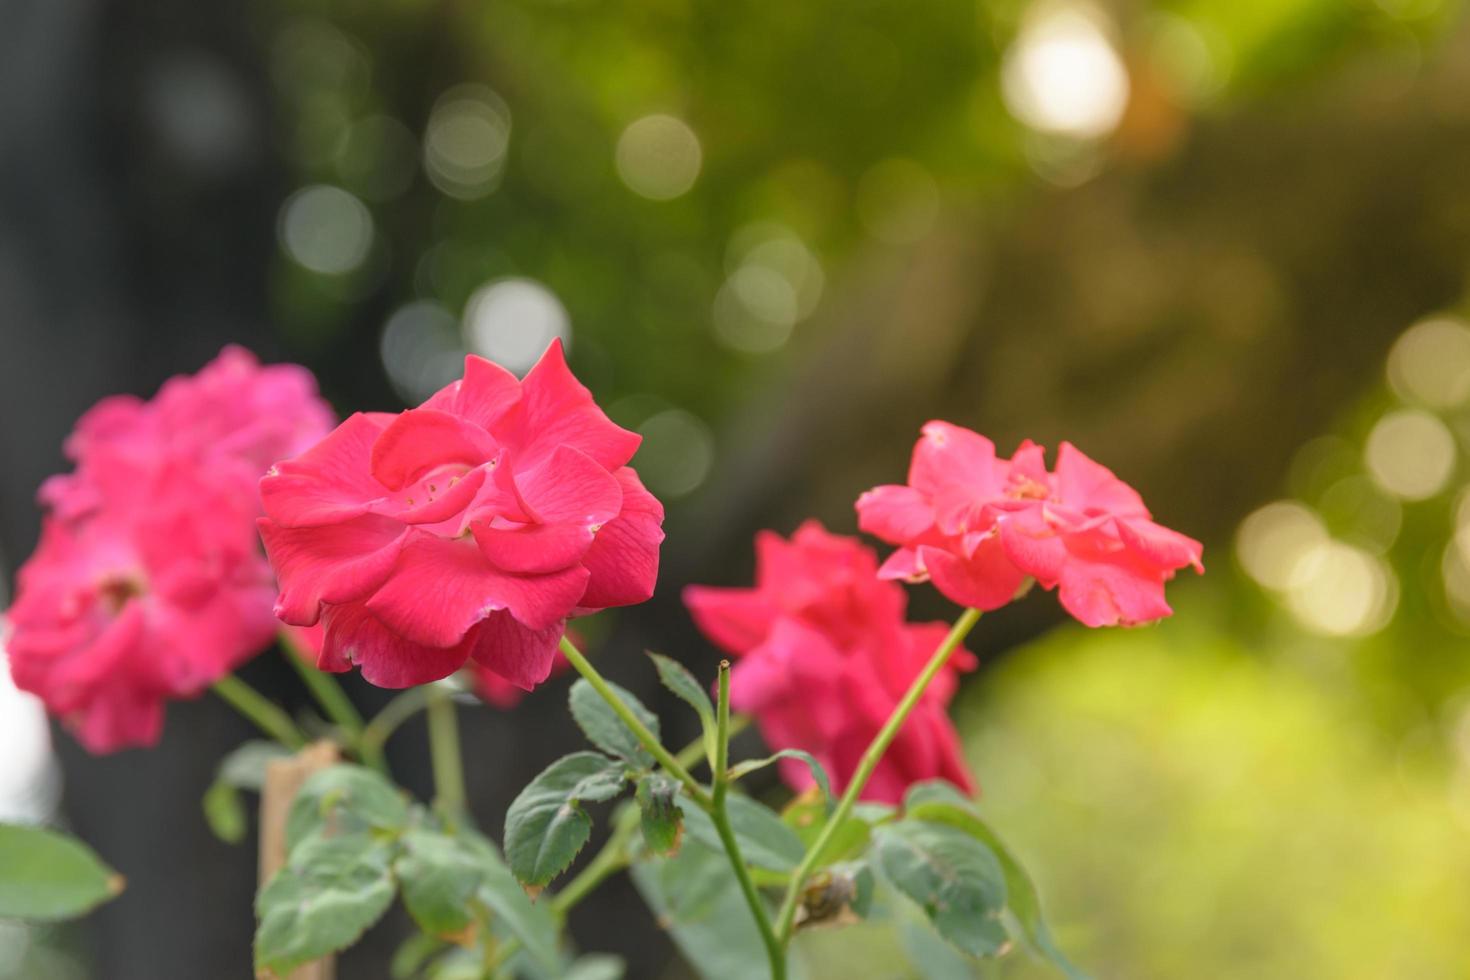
point(721, 818)
point(645, 738)
point(786, 919)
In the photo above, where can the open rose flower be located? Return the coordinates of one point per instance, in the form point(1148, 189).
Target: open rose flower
point(980, 527)
point(824, 657)
point(470, 527)
point(149, 582)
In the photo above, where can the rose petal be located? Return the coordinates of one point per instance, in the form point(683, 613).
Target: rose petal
point(557, 410)
point(1111, 594)
point(987, 580)
point(734, 619)
point(441, 588)
point(947, 454)
point(355, 636)
point(487, 392)
point(520, 655)
point(569, 487)
point(1160, 545)
point(532, 548)
point(894, 513)
point(422, 439)
point(623, 559)
point(334, 563)
point(1087, 485)
point(329, 482)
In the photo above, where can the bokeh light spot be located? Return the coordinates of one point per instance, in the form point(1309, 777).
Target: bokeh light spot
point(1274, 542)
point(1343, 591)
point(466, 141)
point(676, 453)
point(658, 157)
point(421, 350)
point(1411, 454)
point(1430, 363)
point(1062, 74)
point(512, 321)
point(325, 229)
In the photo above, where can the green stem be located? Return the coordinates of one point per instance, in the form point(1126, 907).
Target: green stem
point(334, 701)
point(775, 952)
point(393, 714)
point(444, 751)
point(611, 859)
point(785, 921)
point(645, 738)
point(260, 710)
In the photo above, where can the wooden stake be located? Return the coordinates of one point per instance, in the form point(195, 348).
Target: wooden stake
point(283, 778)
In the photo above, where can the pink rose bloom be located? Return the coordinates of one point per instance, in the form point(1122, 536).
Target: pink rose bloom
point(234, 419)
point(471, 527)
point(149, 583)
point(825, 656)
point(980, 527)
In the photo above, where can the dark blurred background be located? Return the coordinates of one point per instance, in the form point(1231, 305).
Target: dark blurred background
point(1222, 246)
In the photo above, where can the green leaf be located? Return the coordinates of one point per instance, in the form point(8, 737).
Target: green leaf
point(939, 802)
point(932, 957)
point(954, 878)
point(696, 898)
point(545, 826)
point(244, 767)
point(342, 800)
point(330, 891)
point(224, 811)
point(662, 820)
point(438, 876)
point(818, 773)
point(597, 966)
point(765, 842)
point(605, 729)
point(46, 876)
point(677, 678)
point(412, 954)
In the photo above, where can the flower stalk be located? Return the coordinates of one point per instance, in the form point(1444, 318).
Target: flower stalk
point(786, 919)
point(449, 793)
point(335, 702)
point(264, 713)
point(712, 803)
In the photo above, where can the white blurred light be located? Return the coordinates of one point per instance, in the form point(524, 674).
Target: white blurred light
point(512, 321)
point(29, 781)
point(1274, 541)
point(1062, 74)
point(1410, 454)
point(1343, 591)
point(658, 157)
point(774, 283)
point(1430, 363)
point(466, 141)
point(897, 201)
point(421, 350)
point(325, 229)
point(676, 453)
